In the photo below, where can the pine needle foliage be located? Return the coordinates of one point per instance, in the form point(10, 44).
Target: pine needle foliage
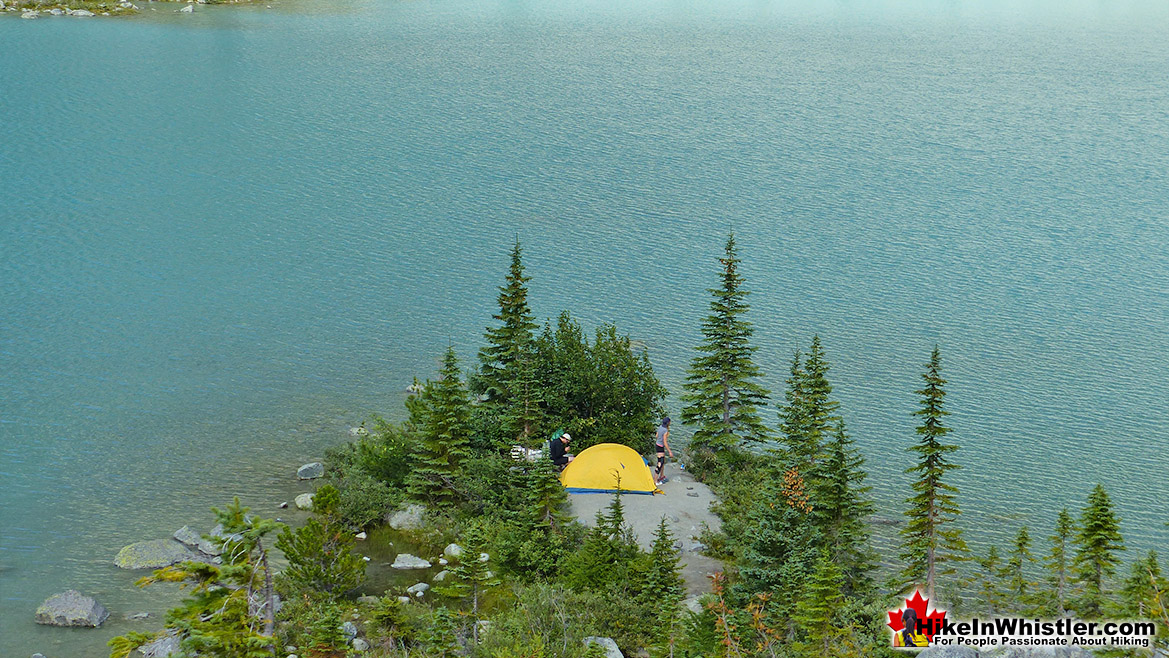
point(820, 600)
point(320, 557)
point(841, 508)
point(931, 542)
point(1058, 564)
point(1098, 543)
point(508, 343)
point(471, 577)
point(1019, 586)
point(722, 395)
point(442, 414)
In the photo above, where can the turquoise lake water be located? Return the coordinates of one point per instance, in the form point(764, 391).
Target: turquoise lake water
point(227, 237)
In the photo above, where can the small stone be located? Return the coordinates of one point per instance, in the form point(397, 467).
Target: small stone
point(311, 471)
point(417, 589)
point(483, 557)
point(290, 649)
point(403, 599)
point(283, 505)
point(443, 561)
point(35, 655)
point(189, 9)
point(358, 431)
point(692, 494)
point(361, 536)
point(365, 557)
point(440, 576)
point(349, 630)
point(360, 645)
point(137, 616)
point(305, 500)
point(368, 600)
point(453, 551)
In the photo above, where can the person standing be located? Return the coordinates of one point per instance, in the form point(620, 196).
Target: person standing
point(662, 446)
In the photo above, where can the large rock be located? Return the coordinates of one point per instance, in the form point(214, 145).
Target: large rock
point(948, 652)
point(188, 537)
point(407, 561)
point(304, 501)
point(28, 13)
point(155, 554)
point(440, 576)
point(311, 471)
point(409, 518)
point(610, 647)
point(163, 647)
point(453, 551)
point(71, 608)
point(417, 589)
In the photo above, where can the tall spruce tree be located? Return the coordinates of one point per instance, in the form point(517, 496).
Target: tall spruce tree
point(841, 507)
point(722, 397)
point(1139, 594)
point(932, 543)
point(1019, 561)
point(523, 412)
point(793, 424)
point(663, 589)
point(818, 603)
point(471, 577)
point(820, 409)
point(444, 415)
point(510, 342)
point(1058, 563)
point(1097, 544)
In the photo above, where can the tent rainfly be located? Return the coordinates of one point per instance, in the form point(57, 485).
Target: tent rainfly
point(598, 470)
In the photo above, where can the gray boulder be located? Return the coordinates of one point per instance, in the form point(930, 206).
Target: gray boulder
point(155, 554)
point(407, 561)
point(71, 608)
point(453, 551)
point(440, 576)
point(304, 501)
point(82, 12)
point(948, 652)
point(368, 600)
point(56, 12)
point(163, 647)
point(610, 647)
point(403, 599)
point(311, 471)
point(188, 537)
point(409, 518)
point(360, 645)
point(417, 589)
point(350, 630)
point(29, 14)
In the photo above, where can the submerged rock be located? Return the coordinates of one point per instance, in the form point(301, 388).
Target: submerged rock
point(188, 537)
point(189, 9)
point(409, 518)
point(311, 471)
point(155, 554)
point(407, 561)
point(610, 647)
point(71, 608)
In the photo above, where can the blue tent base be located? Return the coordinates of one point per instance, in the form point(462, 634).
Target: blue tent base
point(624, 492)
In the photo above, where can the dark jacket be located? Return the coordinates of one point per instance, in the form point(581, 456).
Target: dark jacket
point(556, 452)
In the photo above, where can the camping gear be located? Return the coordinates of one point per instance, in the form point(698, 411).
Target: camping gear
point(597, 469)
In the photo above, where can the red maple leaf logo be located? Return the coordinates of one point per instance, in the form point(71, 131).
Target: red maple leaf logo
point(929, 622)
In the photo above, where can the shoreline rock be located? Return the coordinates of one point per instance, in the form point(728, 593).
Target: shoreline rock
point(71, 608)
point(304, 501)
point(311, 471)
point(408, 561)
point(408, 518)
point(156, 554)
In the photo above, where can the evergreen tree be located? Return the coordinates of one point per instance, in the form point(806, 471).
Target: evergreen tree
point(990, 593)
point(782, 542)
point(793, 423)
point(1139, 594)
point(320, 558)
point(722, 396)
point(229, 611)
point(1058, 563)
point(931, 542)
point(508, 343)
point(819, 408)
point(523, 413)
point(818, 603)
point(547, 498)
point(443, 413)
point(470, 578)
point(663, 581)
point(1019, 587)
point(1097, 545)
point(841, 507)
point(607, 554)
point(440, 639)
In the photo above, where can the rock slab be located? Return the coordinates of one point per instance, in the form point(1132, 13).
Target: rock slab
point(311, 471)
point(154, 554)
point(409, 518)
point(606, 643)
point(407, 561)
point(163, 647)
point(188, 537)
point(71, 608)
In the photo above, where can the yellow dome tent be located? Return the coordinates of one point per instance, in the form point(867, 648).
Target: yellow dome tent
point(597, 469)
